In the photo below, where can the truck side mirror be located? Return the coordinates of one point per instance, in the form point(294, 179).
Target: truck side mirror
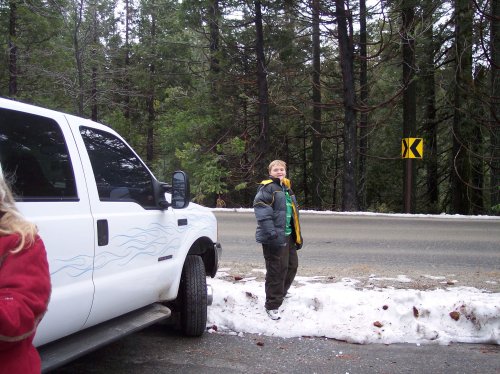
point(180, 190)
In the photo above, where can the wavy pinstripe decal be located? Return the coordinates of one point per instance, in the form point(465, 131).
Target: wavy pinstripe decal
point(74, 267)
point(154, 241)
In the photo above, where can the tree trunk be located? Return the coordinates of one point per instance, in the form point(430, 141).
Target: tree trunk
point(409, 101)
point(305, 177)
point(78, 51)
point(93, 94)
point(495, 106)
point(430, 123)
point(336, 168)
point(213, 20)
point(476, 186)
point(126, 109)
point(317, 154)
point(349, 196)
point(13, 49)
point(462, 122)
point(151, 96)
point(263, 139)
point(214, 76)
point(363, 122)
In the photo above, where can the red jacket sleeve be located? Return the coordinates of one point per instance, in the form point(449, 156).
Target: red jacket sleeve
point(24, 290)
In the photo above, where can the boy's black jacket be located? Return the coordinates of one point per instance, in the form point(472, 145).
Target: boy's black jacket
point(270, 211)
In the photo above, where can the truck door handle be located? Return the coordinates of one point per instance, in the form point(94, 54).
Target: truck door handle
point(102, 232)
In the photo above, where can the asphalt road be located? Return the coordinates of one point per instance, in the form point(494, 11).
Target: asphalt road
point(431, 251)
point(463, 251)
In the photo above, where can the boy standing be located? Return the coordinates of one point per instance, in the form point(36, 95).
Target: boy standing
point(278, 230)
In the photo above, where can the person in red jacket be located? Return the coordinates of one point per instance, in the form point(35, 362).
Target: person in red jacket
point(24, 287)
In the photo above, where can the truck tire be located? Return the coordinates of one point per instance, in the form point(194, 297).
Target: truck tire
point(193, 292)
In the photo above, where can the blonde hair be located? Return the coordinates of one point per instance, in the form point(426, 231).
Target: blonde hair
point(276, 163)
point(11, 221)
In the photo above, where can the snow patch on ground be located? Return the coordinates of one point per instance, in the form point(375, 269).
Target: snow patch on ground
point(342, 311)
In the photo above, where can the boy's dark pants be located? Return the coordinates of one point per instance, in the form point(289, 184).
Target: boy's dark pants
point(281, 267)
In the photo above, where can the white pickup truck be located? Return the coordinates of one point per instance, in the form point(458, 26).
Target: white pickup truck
point(124, 249)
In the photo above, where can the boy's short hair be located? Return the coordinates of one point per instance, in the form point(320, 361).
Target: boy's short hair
point(276, 162)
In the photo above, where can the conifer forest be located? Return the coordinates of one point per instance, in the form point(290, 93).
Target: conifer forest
point(219, 88)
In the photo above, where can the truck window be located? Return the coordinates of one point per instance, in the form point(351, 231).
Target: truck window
point(119, 174)
point(35, 158)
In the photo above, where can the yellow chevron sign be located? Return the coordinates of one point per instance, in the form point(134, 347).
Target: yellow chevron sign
point(412, 148)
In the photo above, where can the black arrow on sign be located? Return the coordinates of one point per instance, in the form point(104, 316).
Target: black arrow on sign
point(405, 151)
point(414, 146)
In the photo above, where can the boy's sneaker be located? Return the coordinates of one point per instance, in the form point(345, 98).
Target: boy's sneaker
point(274, 314)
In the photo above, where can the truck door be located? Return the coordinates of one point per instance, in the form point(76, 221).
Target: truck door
point(50, 190)
point(136, 241)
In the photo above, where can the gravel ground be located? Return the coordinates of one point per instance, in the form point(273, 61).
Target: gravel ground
point(156, 351)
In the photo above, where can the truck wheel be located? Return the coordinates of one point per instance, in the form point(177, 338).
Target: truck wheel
point(193, 292)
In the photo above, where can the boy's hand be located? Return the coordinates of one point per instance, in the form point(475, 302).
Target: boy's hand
point(273, 235)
